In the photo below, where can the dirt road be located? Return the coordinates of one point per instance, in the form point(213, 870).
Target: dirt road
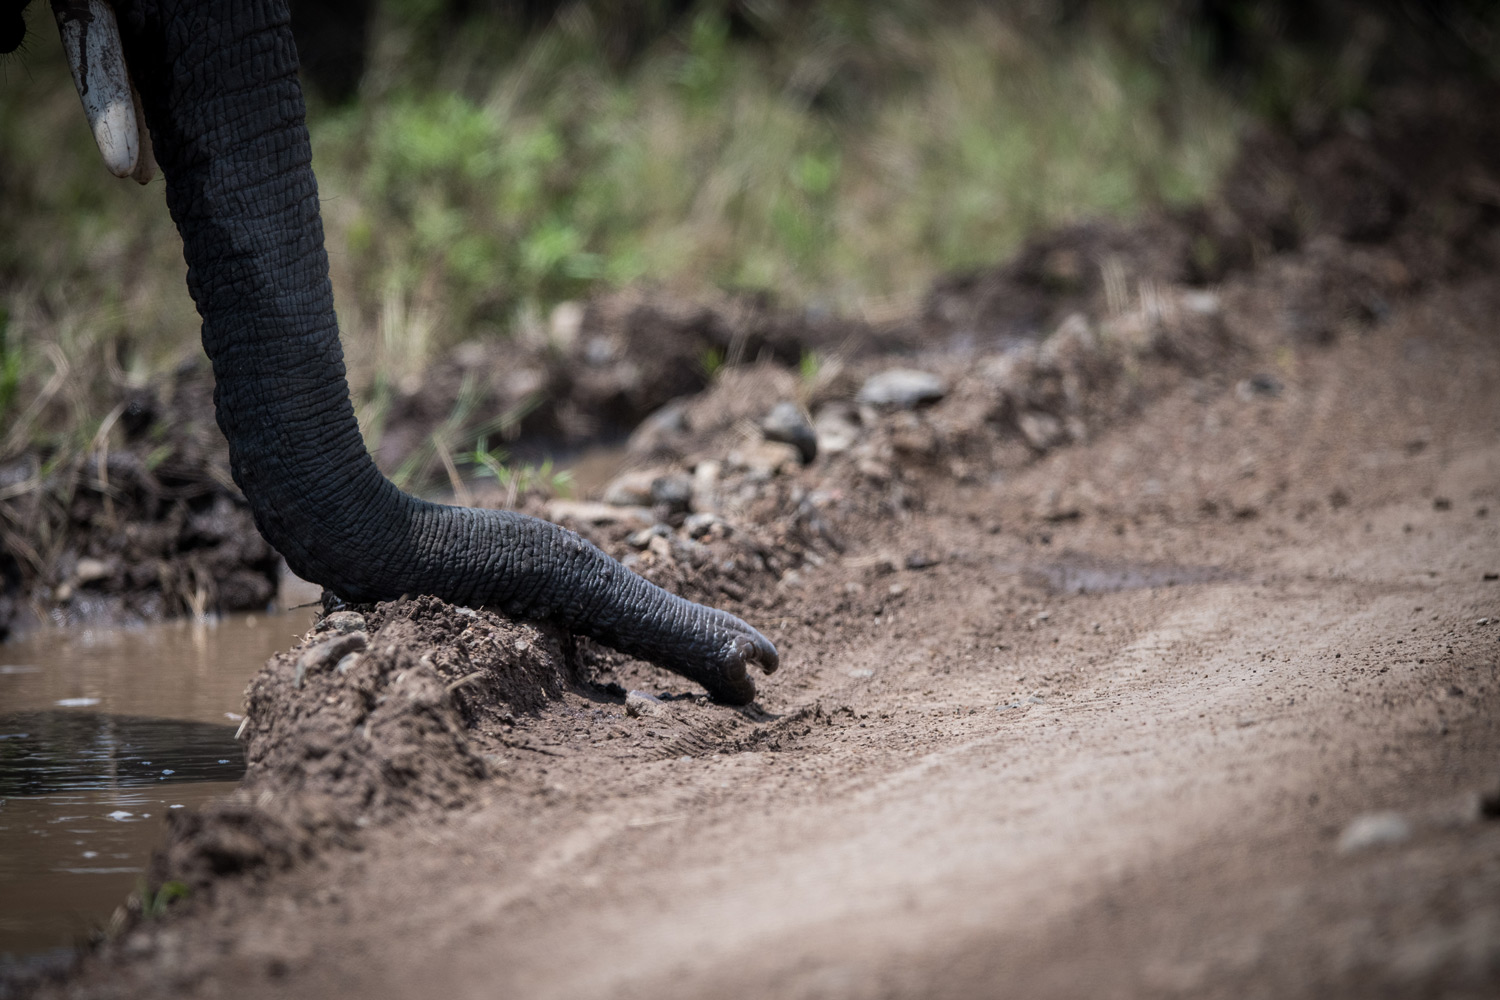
point(1206, 705)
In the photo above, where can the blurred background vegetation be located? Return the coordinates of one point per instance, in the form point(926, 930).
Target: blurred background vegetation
point(481, 163)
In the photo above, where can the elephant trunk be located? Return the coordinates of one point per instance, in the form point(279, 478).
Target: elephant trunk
point(218, 84)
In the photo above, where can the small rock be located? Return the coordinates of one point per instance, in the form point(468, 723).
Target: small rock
point(1263, 385)
point(588, 512)
point(861, 672)
point(329, 651)
point(630, 489)
point(1377, 829)
point(787, 424)
point(698, 525)
point(1041, 430)
point(836, 429)
point(766, 459)
point(921, 560)
point(705, 499)
point(642, 538)
point(565, 323)
point(1056, 507)
point(902, 388)
point(1200, 302)
point(345, 622)
point(686, 550)
point(639, 703)
point(92, 570)
point(673, 491)
point(660, 430)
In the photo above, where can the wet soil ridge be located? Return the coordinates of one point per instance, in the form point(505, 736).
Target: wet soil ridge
point(149, 529)
point(365, 722)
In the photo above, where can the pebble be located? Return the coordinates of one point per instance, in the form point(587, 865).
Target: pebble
point(673, 491)
point(766, 459)
point(1041, 430)
point(589, 512)
point(1264, 385)
point(344, 622)
point(326, 652)
point(639, 703)
point(642, 538)
point(787, 424)
point(902, 388)
point(698, 525)
point(836, 429)
point(705, 497)
point(1377, 829)
point(91, 570)
point(630, 489)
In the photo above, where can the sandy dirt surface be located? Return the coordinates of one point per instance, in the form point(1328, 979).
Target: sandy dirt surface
point(1130, 752)
point(1161, 659)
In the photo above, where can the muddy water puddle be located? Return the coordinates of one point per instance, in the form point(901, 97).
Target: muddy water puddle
point(103, 733)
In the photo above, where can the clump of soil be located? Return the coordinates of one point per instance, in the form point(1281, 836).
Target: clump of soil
point(366, 721)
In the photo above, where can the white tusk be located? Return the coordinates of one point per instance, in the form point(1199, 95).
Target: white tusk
point(91, 39)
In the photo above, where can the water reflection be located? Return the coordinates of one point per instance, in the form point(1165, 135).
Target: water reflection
point(43, 753)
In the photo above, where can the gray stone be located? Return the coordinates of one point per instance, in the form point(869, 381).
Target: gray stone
point(642, 538)
point(1377, 829)
point(92, 570)
point(344, 622)
point(765, 459)
point(673, 491)
point(660, 430)
point(1263, 384)
point(836, 429)
point(1042, 430)
point(698, 525)
point(787, 424)
point(902, 388)
point(630, 489)
point(639, 703)
point(705, 498)
point(597, 513)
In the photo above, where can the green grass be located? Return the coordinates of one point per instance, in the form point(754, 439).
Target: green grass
point(863, 151)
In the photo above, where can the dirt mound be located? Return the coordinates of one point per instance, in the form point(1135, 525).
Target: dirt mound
point(601, 367)
point(137, 533)
point(1342, 221)
point(366, 722)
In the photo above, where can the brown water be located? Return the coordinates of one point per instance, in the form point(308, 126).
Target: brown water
point(103, 732)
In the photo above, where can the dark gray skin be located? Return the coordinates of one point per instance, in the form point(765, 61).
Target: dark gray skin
point(218, 83)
